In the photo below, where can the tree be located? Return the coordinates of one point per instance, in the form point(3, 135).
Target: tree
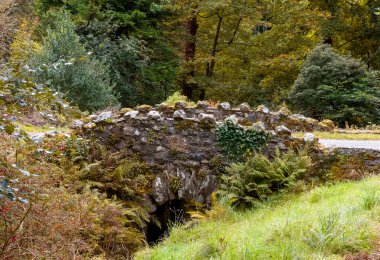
point(336, 87)
point(63, 63)
point(125, 36)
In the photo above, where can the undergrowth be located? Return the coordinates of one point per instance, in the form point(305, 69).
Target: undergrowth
point(326, 223)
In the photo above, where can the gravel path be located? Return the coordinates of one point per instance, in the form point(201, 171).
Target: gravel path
point(365, 144)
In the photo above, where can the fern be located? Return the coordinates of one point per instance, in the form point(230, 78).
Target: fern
point(248, 184)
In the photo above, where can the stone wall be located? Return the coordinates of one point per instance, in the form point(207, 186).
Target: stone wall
point(179, 143)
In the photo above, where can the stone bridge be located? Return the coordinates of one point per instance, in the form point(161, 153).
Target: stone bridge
point(178, 143)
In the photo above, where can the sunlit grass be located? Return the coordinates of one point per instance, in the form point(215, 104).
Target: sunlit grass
point(345, 136)
point(41, 129)
point(325, 223)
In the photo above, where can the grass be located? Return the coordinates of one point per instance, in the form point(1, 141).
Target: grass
point(41, 129)
point(325, 223)
point(175, 97)
point(345, 136)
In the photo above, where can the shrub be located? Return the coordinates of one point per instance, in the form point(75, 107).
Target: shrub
point(236, 142)
point(63, 63)
point(252, 182)
point(175, 97)
point(336, 87)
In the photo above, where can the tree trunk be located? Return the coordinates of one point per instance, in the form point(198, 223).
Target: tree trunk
point(189, 54)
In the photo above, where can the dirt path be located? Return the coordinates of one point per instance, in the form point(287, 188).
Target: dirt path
point(364, 144)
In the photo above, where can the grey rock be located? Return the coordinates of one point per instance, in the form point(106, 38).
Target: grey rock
point(232, 119)
point(160, 190)
point(283, 130)
point(154, 115)
point(262, 109)
point(244, 107)
point(129, 130)
point(103, 116)
point(309, 138)
point(89, 126)
point(131, 114)
point(258, 126)
point(179, 114)
point(77, 124)
point(180, 105)
point(224, 106)
point(207, 118)
point(202, 105)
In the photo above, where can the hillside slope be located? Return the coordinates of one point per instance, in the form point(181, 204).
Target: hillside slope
point(330, 222)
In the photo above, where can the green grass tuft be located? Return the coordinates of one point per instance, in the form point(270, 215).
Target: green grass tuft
point(325, 223)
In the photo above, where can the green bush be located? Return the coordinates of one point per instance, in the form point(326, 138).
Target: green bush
point(252, 182)
point(336, 87)
point(65, 65)
point(236, 142)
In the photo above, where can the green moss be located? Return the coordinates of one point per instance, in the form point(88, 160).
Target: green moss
point(185, 124)
point(175, 183)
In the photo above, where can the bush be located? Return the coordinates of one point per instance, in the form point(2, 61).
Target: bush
point(252, 182)
point(176, 97)
point(336, 87)
point(63, 63)
point(236, 142)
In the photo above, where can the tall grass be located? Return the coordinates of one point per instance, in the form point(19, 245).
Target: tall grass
point(325, 223)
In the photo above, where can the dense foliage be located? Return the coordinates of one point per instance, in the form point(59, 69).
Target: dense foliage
point(337, 87)
point(250, 183)
point(237, 143)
